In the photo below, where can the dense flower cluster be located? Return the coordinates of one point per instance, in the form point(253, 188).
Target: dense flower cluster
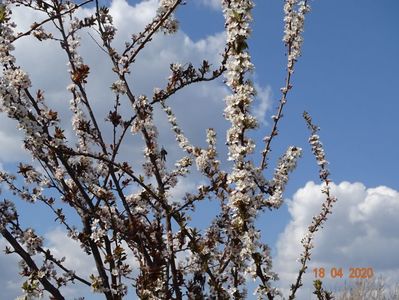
point(238, 16)
point(247, 253)
point(170, 25)
point(294, 19)
point(31, 241)
point(286, 165)
point(31, 289)
point(8, 213)
point(144, 123)
point(6, 36)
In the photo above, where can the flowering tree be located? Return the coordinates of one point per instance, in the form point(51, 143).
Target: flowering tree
point(172, 260)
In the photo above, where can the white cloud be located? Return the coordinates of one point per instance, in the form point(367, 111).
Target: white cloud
point(11, 141)
point(47, 68)
point(214, 4)
point(361, 232)
point(198, 107)
point(60, 246)
point(183, 186)
point(10, 281)
point(263, 103)
point(138, 15)
point(75, 258)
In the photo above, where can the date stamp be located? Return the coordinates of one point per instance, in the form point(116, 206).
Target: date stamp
point(339, 272)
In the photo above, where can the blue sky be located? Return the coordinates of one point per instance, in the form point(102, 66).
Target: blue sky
point(346, 79)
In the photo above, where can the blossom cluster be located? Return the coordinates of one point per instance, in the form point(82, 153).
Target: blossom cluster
point(286, 164)
point(238, 16)
point(171, 24)
point(8, 213)
point(180, 137)
point(294, 19)
point(6, 38)
point(317, 147)
point(144, 124)
point(246, 251)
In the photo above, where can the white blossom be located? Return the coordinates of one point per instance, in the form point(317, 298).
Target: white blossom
point(170, 25)
point(294, 19)
point(287, 164)
point(119, 87)
point(31, 241)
